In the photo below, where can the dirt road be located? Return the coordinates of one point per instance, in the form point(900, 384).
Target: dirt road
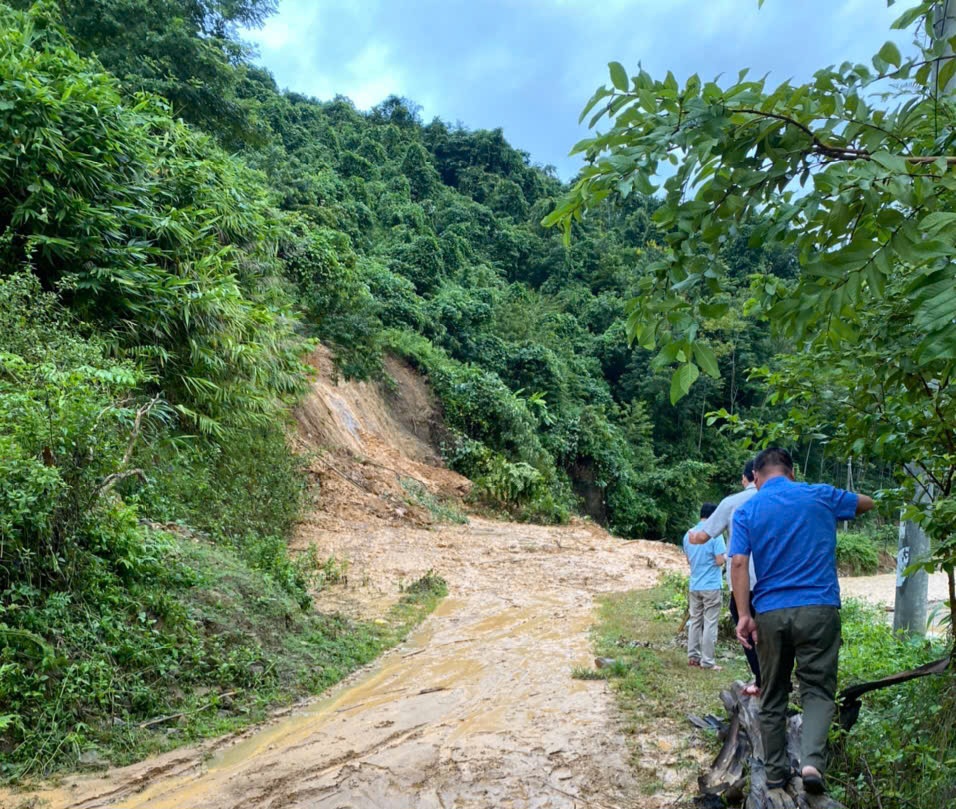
point(477, 709)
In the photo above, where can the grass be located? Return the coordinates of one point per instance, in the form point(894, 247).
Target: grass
point(655, 688)
point(235, 646)
point(442, 510)
point(901, 754)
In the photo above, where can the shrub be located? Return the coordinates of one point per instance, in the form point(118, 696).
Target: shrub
point(66, 420)
point(476, 402)
point(857, 554)
point(245, 490)
point(145, 226)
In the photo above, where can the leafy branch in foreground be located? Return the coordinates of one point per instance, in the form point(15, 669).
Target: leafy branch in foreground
point(853, 171)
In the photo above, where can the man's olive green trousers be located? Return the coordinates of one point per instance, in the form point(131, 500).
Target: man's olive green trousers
point(809, 637)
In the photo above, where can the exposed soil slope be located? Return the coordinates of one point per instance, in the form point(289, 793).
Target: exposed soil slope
point(478, 708)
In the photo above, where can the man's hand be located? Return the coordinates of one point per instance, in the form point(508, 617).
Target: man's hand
point(747, 631)
point(698, 537)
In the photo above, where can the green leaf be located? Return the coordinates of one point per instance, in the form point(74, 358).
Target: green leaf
point(683, 378)
point(618, 76)
point(946, 72)
point(935, 222)
point(602, 92)
point(908, 17)
point(714, 310)
point(707, 360)
point(891, 162)
point(890, 53)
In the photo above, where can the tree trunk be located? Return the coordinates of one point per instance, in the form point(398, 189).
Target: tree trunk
point(743, 749)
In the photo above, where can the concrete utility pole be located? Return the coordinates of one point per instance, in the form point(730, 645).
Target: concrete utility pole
point(912, 591)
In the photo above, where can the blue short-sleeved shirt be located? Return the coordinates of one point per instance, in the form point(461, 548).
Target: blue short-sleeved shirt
point(704, 574)
point(790, 531)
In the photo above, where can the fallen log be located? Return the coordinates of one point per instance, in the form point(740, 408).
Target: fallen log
point(741, 754)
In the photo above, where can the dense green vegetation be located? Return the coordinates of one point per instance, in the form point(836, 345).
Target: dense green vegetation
point(156, 295)
point(175, 232)
point(371, 232)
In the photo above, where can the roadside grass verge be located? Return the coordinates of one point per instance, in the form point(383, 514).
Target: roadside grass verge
point(656, 689)
point(205, 647)
point(901, 753)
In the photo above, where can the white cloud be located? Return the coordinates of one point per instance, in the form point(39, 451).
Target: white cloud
point(276, 34)
point(529, 66)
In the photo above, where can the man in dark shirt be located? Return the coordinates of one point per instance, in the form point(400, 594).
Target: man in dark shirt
point(790, 529)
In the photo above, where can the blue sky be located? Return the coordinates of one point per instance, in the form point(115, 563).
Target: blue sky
point(529, 66)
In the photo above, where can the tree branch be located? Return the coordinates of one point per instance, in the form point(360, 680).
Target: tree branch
point(836, 152)
point(111, 480)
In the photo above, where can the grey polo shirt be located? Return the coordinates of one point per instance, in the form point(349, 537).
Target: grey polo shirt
point(722, 522)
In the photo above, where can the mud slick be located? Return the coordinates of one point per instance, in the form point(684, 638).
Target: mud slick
point(478, 707)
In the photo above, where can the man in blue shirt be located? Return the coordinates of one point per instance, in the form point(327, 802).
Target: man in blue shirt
point(705, 597)
point(790, 529)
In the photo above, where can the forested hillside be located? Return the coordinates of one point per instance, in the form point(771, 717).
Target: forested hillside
point(175, 232)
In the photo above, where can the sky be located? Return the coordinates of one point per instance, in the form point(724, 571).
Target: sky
point(529, 66)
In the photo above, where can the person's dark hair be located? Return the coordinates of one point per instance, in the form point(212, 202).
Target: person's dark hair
point(749, 470)
point(775, 457)
point(707, 509)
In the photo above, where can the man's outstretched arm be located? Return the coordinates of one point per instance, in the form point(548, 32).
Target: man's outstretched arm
point(715, 525)
point(863, 504)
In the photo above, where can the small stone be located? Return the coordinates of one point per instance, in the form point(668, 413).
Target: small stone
point(604, 662)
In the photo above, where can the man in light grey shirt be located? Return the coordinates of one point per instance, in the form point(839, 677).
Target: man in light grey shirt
point(721, 522)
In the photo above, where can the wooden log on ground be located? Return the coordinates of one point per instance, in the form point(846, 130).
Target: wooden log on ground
point(742, 754)
point(742, 748)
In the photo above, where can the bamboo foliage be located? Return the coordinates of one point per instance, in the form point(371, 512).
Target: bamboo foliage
point(144, 227)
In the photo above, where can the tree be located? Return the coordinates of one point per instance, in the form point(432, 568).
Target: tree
point(187, 51)
point(144, 227)
point(854, 171)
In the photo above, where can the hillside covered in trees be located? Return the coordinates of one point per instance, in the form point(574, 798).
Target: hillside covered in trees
point(176, 231)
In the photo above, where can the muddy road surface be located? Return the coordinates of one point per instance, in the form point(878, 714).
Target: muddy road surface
point(477, 709)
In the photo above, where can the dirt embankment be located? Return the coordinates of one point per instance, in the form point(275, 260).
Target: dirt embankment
point(478, 708)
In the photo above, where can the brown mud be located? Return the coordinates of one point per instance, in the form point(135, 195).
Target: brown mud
point(478, 707)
